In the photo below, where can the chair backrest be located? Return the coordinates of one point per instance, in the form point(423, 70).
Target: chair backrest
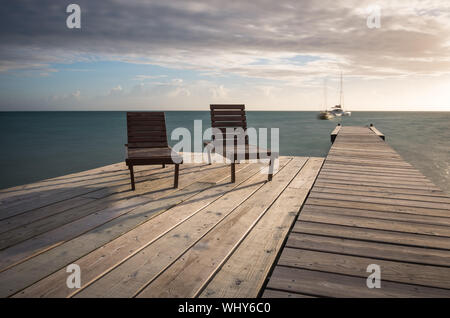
point(146, 129)
point(228, 116)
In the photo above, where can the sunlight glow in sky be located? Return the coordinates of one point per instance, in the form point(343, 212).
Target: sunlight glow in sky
point(185, 55)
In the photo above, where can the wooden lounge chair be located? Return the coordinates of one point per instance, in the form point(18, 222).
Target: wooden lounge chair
point(147, 143)
point(233, 116)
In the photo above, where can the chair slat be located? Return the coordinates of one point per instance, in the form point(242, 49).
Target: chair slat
point(147, 128)
point(224, 106)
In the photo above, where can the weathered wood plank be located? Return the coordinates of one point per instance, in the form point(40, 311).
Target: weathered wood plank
point(373, 235)
point(400, 272)
point(26, 273)
point(97, 263)
point(100, 213)
point(354, 247)
point(272, 293)
point(380, 200)
point(378, 192)
point(374, 223)
point(158, 256)
point(335, 285)
point(74, 208)
point(393, 216)
point(188, 275)
point(368, 206)
point(244, 273)
point(378, 207)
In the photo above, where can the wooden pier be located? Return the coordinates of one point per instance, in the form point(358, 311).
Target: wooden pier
point(208, 238)
point(367, 206)
point(212, 238)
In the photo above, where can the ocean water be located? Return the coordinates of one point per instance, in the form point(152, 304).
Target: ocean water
point(40, 145)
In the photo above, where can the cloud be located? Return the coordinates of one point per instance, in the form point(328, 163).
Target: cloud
point(232, 37)
point(115, 90)
point(148, 77)
point(76, 94)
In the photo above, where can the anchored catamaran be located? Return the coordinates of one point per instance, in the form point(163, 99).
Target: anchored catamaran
point(337, 110)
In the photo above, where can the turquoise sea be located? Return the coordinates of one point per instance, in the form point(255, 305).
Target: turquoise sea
point(40, 145)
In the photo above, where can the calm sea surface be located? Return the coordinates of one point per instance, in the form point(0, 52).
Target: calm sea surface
point(40, 145)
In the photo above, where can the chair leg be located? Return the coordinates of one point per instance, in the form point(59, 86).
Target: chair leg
point(177, 171)
point(132, 177)
point(233, 172)
point(209, 155)
point(271, 164)
point(163, 165)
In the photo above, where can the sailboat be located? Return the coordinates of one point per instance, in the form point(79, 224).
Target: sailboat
point(325, 115)
point(337, 110)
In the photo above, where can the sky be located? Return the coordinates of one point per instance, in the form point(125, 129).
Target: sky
point(185, 55)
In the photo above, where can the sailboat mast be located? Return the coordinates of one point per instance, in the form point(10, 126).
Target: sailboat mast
point(341, 92)
point(325, 94)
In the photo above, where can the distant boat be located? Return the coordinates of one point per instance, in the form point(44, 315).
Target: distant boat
point(325, 115)
point(337, 110)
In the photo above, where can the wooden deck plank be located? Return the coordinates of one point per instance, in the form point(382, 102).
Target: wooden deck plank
point(378, 207)
point(354, 247)
point(401, 272)
point(380, 200)
point(368, 206)
point(25, 273)
point(189, 274)
point(432, 194)
point(100, 212)
point(245, 272)
point(48, 261)
point(323, 284)
point(54, 218)
point(369, 183)
point(393, 216)
point(378, 178)
point(33, 209)
point(158, 256)
point(39, 196)
point(377, 192)
point(99, 262)
point(372, 235)
point(272, 293)
point(375, 223)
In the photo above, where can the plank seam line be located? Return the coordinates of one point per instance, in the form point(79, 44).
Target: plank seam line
point(293, 292)
point(380, 197)
point(365, 277)
point(378, 229)
point(376, 175)
point(385, 204)
point(367, 257)
point(368, 240)
point(83, 255)
point(46, 205)
point(383, 219)
point(380, 185)
point(285, 240)
point(252, 226)
point(90, 229)
point(153, 240)
point(368, 183)
point(213, 227)
point(378, 211)
point(84, 195)
point(395, 193)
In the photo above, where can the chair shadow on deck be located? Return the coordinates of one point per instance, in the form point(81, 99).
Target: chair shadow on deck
point(46, 228)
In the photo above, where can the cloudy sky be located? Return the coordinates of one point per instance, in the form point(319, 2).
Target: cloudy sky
point(184, 55)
